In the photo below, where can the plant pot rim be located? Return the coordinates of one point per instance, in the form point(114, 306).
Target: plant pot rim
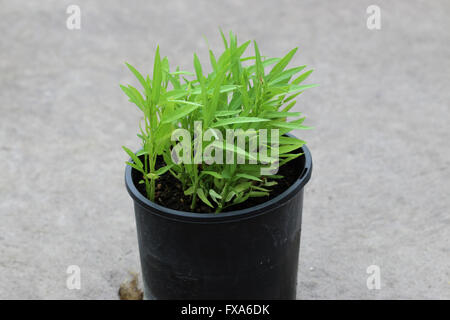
point(227, 216)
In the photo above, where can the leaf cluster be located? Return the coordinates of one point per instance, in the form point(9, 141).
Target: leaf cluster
point(240, 92)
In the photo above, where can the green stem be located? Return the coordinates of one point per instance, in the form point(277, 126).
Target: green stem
point(147, 184)
point(194, 197)
point(152, 181)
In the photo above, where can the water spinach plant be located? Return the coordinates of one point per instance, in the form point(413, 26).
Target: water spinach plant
point(238, 99)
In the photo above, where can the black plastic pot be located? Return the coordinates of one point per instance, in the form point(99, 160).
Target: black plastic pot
point(245, 254)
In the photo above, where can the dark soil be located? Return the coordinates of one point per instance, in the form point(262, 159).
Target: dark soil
point(170, 194)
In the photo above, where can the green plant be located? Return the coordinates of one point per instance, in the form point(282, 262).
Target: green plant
point(237, 94)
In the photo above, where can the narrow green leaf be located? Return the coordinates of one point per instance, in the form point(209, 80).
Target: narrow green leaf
point(289, 140)
point(213, 60)
point(233, 148)
point(290, 157)
point(258, 194)
point(292, 96)
point(285, 75)
point(265, 63)
point(258, 63)
point(287, 148)
point(223, 89)
point(214, 194)
point(185, 102)
point(242, 186)
point(137, 75)
point(157, 76)
point(247, 176)
point(289, 106)
point(189, 191)
point(198, 67)
point(225, 113)
point(135, 167)
point(230, 196)
point(241, 49)
point(215, 100)
point(212, 173)
point(133, 98)
point(280, 114)
point(228, 121)
point(152, 176)
point(138, 96)
point(181, 112)
point(294, 88)
point(141, 152)
point(202, 196)
point(136, 160)
point(181, 72)
point(203, 89)
point(241, 199)
point(175, 94)
point(224, 39)
point(163, 170)
point(302, 77)
point(294, 125)
point(279, 67)
point(260, 189)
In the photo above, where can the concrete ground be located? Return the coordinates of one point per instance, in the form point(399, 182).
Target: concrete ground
point(380, 189)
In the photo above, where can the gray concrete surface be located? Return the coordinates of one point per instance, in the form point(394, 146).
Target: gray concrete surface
point(380, 188)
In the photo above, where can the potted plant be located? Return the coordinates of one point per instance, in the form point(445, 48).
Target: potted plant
point(218, 183)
